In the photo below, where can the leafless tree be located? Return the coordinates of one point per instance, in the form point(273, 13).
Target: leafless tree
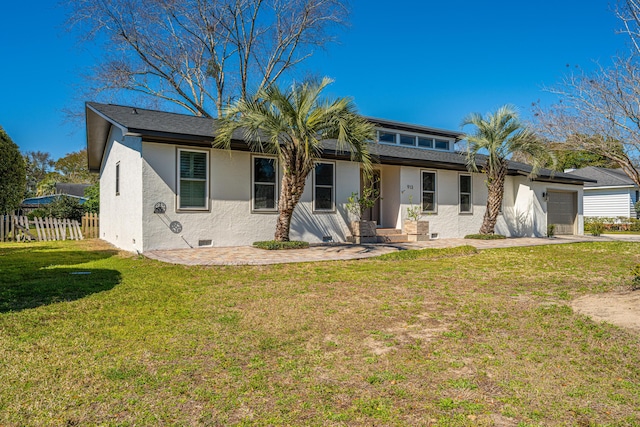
point(599, 111)
point(628, 11)
point(201, 54)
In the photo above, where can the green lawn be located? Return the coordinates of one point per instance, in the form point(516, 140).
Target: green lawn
point(441, 337)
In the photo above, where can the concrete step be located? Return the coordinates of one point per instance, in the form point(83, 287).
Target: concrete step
point(393, 238)
point(387, 231)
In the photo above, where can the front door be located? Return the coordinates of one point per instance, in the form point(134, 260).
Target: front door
point(373, 213)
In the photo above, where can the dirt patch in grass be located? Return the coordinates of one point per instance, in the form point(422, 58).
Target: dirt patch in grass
point(618, 308)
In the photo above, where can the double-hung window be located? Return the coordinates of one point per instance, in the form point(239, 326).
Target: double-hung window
point(193, 180)
point(265, 184)
point(324, 187)
point(465, 194)
point(428, 191)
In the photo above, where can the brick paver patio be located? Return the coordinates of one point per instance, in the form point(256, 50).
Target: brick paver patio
point(246, 255)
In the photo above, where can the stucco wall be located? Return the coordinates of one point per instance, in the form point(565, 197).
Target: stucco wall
point(447, 222)
point(148, 175)
point(121, 215)
point(525, 209)
point(230, 220)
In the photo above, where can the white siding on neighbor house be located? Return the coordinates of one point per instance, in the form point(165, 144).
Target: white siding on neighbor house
point(609, 202)
point(230, 220)
point(121, 215)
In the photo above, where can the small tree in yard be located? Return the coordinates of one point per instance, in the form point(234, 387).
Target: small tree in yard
point(292, 125)
point(500, 135)
point(92, 205)
point(12, 174)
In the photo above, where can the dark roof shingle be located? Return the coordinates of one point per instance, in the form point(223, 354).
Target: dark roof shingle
point(160, 126)
point(604, 177)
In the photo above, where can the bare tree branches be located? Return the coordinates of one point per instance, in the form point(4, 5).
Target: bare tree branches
point(599, 112)
point(628, 11)
point(201, 54)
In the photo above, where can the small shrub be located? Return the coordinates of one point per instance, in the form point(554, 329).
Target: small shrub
point(275, 245)
point(38, 213)
point(551, 230)
point(66, 207)
point(596, 228)
point(635, 282)
point(485, 236)
point(413, 212)
point(358, 205)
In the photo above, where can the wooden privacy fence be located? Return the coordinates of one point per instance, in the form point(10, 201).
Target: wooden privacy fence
point(19, 228)
point(91, 225)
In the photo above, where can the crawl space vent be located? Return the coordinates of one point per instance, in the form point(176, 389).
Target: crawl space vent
point(434, 235)
point(206, 242)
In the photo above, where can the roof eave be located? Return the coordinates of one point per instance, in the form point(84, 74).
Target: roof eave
point(98, 129)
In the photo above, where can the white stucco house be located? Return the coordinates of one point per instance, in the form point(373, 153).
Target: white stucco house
point(610, 193)
point(162, 186)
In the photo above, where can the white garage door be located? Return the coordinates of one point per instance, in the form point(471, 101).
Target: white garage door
point(562, 211)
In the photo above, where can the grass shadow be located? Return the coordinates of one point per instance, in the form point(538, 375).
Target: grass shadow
point(32, 277)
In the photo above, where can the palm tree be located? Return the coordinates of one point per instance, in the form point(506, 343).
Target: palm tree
point(500, 135)
point(292, 126)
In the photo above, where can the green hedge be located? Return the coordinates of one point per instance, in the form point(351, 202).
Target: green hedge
point(604, 224)
point(485, 236)
point(275, 245)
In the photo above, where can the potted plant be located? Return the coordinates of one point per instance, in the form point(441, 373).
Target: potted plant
point(417, 230)
point(363, 231)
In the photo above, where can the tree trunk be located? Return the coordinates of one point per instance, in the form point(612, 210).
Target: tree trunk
point(292, 188)
point(495, 186)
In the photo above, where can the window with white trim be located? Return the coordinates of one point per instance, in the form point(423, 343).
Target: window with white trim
point(407, 140)
point(465, 194)
point(425, 142)
point(388, 137)
point(324, 187)
point(193, 180)
point(428, 191)
point(265, 184)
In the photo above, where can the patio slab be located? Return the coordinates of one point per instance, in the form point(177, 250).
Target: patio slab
point(247, 255)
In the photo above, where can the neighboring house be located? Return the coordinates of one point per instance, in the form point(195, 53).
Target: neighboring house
point(31, 203)
point(61, 189)
point(162, 186)
point(71, 189)
point(613, 194)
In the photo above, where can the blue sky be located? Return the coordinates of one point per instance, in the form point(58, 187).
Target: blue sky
point(425, 62)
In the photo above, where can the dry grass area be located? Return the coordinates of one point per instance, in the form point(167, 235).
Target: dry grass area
point(439, 337)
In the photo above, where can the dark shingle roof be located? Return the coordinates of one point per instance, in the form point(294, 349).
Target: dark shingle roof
point(604, 177)
point(160, 126)
point(71, 189)
point(34, 202)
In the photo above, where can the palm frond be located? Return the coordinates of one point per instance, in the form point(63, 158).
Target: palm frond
point(500, 135)
point(296, 122)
